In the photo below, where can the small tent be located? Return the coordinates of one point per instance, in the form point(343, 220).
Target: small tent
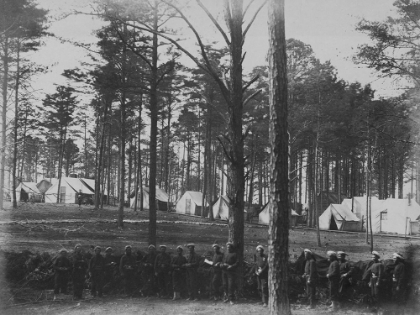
point(339, 217)
point(190, 203)
point(395, 216)
point(264, 216)
point(161, 199)
point(69, 189)
point(221, 208)
point(26, 191)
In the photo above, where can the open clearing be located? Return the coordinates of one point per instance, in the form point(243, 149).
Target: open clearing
point(47, 228)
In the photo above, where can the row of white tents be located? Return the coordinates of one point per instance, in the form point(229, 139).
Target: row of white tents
point(47, 189)
point(398, 216)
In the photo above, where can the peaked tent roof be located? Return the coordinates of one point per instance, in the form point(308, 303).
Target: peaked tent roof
point(161, 195)
point(196, 196)
point(28, 187)
point(342, 212)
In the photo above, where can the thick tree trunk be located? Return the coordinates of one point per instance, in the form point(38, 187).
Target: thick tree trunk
point(15, 135)
point(278, 231)
point(153, 129)
point(236, 209)
point(4, 120)
point(139, 182)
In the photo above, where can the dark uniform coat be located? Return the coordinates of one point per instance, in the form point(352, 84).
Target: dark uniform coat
point(262, 265)
point(216, 282)
point(128, 268)
point(80, 267)
point(162, 271)
point(192, 265)
point(311, 277)
point(230, 261)
point(97, 272)
point(334, 279)
point(178, 272)
point(62, 267)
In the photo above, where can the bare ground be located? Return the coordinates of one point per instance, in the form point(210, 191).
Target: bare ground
point(64, 226)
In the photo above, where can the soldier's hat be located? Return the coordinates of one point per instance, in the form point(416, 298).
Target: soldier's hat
point(341, 253)
point(331, 253)
point(229, 244)
point(190, 245)
point(108, 249)
point(397, 255)
point(216, 245)
point(63, 250)
point(306, 250)
point(164, 246)
point(77, 245)
point(376, 254)
point(260, 246)
point(128, 246)
point(151, 246)
point(98, 247)
point(180, 247)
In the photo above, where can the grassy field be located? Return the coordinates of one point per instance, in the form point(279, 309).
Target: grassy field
point(65, 226)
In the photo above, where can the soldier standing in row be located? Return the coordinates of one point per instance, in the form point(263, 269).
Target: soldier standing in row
point(148, 273)
point(178, 272)
point(398, 279)
point(377, 273)
point(110, 263)
point(216, 281)
point(310, 276)
point(62, 267)
point(346, 272)
point(97, 272)
point(262, 274)
point(162, 271)
point(192, 265)
point(128, 270)
point(79, 272)
point(333, 276)
point(230, 263)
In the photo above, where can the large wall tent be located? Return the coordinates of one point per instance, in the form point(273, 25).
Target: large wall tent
point(161, 199)
point(190, 203)
point(358, 205)
point(396, 216)
point(69, 189)
point(339, 217)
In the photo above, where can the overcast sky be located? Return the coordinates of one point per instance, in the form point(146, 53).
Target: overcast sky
point(327, 25)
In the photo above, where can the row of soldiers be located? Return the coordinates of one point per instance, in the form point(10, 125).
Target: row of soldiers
point(340, 277)
point(158, 270)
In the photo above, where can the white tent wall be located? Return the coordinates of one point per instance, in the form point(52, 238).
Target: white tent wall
point(69, 189)
point(221, 208)
point(340, 217)
point(264, 216)
point(395, 216)
point(161, 196)
point(358, 204)
point(29, 187)
point(190, 203)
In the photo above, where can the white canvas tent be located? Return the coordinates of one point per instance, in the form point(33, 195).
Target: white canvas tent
point(339, 217)
point(190, 203)
point(26, 191)
point(221, 208)
point(358, 204)
point(69, 189)
point(395, 216)
point(161, 199)
point(264, 216)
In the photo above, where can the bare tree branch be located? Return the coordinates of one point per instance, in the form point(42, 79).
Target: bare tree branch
point(251, 97)
point(253, 19)
point(214, 22)
point(250, 83)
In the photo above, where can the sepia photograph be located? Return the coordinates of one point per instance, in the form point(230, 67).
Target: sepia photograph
point(209, 157)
